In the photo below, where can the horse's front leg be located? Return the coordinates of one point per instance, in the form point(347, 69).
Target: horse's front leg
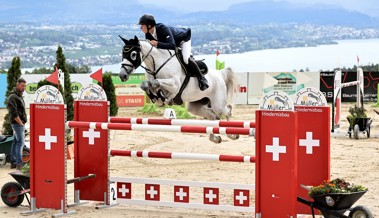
point(148, 89)
point(170, 87)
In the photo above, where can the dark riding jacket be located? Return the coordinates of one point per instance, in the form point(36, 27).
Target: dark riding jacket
point(16, 107)
point(169, 37)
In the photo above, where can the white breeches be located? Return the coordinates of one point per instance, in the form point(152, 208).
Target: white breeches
point(186, 50)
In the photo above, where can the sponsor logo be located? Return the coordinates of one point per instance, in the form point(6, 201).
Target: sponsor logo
point(48, 95)
point(310, 97)
point(75, 87)
point(92, 92)
point(276, 100)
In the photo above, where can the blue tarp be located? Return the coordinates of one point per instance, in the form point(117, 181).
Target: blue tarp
point(3, 89)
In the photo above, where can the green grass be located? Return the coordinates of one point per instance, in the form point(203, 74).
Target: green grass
point(180, 111)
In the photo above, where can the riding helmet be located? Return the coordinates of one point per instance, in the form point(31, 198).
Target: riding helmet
point(147, 19)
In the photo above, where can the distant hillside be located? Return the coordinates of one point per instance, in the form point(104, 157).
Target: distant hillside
point(260, 12)
point(128, 11)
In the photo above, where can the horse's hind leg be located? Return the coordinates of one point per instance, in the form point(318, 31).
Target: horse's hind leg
point(225, 110)
point(202, 110)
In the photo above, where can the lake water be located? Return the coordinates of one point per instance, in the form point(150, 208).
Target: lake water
point(324, 57)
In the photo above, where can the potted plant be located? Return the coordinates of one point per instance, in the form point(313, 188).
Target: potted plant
point(337, 194)
point(359, 122)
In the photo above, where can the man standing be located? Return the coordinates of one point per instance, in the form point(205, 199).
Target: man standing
point(18, 118)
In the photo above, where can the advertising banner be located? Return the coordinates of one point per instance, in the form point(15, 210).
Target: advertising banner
point(349, 94)
point(129, 93)
point(288, 82)
point(240, 96)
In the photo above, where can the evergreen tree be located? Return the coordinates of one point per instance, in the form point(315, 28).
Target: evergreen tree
point(45, 82)
point(42, 70)
point(83, 69)
point(14, 73)
point(110, 92)
point(67, 94)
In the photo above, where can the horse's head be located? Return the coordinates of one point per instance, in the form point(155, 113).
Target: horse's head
point(131, 57)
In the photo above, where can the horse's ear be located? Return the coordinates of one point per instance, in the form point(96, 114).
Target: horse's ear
point(124, 40)
point(136, 39)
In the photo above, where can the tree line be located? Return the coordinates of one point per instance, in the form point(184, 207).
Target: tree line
point(14, 74)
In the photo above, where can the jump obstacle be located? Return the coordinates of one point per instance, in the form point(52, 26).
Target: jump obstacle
point(180, 122)
point(184, 156)
point(278, 152)
point(338, 86)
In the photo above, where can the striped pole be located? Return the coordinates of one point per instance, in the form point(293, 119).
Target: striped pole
point(353, 83)
point(184, 156)
point(180, 122)
point(160, 128)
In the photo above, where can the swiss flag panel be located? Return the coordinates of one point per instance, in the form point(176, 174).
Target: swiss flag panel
point(47, 180)
point(211, 196)
point(124, 190)
point(95, 143)
point(276, 148)
point(152, 192)
point(241, 198)
point(313, 150)
point(181, 194)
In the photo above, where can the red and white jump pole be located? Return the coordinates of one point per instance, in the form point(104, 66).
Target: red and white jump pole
point(180, 122)
point(337, 95)
point(184, 156)
point(160, 128)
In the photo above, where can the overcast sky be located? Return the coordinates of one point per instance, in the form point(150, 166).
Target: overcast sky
point(365, 6)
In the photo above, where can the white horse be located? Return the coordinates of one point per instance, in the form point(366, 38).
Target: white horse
point(165, 76)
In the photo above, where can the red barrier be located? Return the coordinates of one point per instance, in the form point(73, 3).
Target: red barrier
point(181, 122)
point(48, 186)
point(159, 128)
point(91, 151)
point(314, 149)
point(186, 156)
point(281, 143)
point(276, 164)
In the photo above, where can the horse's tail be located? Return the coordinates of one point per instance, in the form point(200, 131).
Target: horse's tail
point(230, 81)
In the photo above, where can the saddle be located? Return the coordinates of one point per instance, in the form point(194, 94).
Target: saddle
point(200, 63)
point(178, 98)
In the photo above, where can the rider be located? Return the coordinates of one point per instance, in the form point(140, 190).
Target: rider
point(167, 37)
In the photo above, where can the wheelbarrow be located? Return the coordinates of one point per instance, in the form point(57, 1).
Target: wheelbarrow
point(13, 193)
point(336, 204)
point(358, 125)
point(5, 150)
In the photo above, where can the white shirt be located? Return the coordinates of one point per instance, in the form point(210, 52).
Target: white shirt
point(155, 34)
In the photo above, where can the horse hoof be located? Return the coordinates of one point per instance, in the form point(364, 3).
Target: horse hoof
point(145, 86)
point(170, 102)
point(155, 84)
point(233, 136)
point(230, 110)
point(215, 139)
point(159, 103)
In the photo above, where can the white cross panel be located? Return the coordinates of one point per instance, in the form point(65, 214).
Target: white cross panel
point(47, 139)
point(309, 143)
point(181, 194)
point(152, 192)
point(91, 134)
point(211, 196)
point(241, 198)
point(123, 190)
point(275, 149)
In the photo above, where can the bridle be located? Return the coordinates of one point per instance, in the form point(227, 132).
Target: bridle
point(153, 72)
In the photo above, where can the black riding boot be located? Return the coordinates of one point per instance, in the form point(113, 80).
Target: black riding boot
point(203, 83)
